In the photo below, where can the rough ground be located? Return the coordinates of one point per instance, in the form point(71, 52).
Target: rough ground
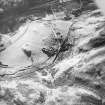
point(77, 79)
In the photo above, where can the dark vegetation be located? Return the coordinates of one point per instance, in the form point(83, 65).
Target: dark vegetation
point(13, 13)
point(64, 46)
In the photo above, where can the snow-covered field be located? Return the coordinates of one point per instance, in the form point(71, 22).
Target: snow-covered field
point(78, 78)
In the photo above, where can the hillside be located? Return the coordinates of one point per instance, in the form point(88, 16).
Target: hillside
point(66, 62)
